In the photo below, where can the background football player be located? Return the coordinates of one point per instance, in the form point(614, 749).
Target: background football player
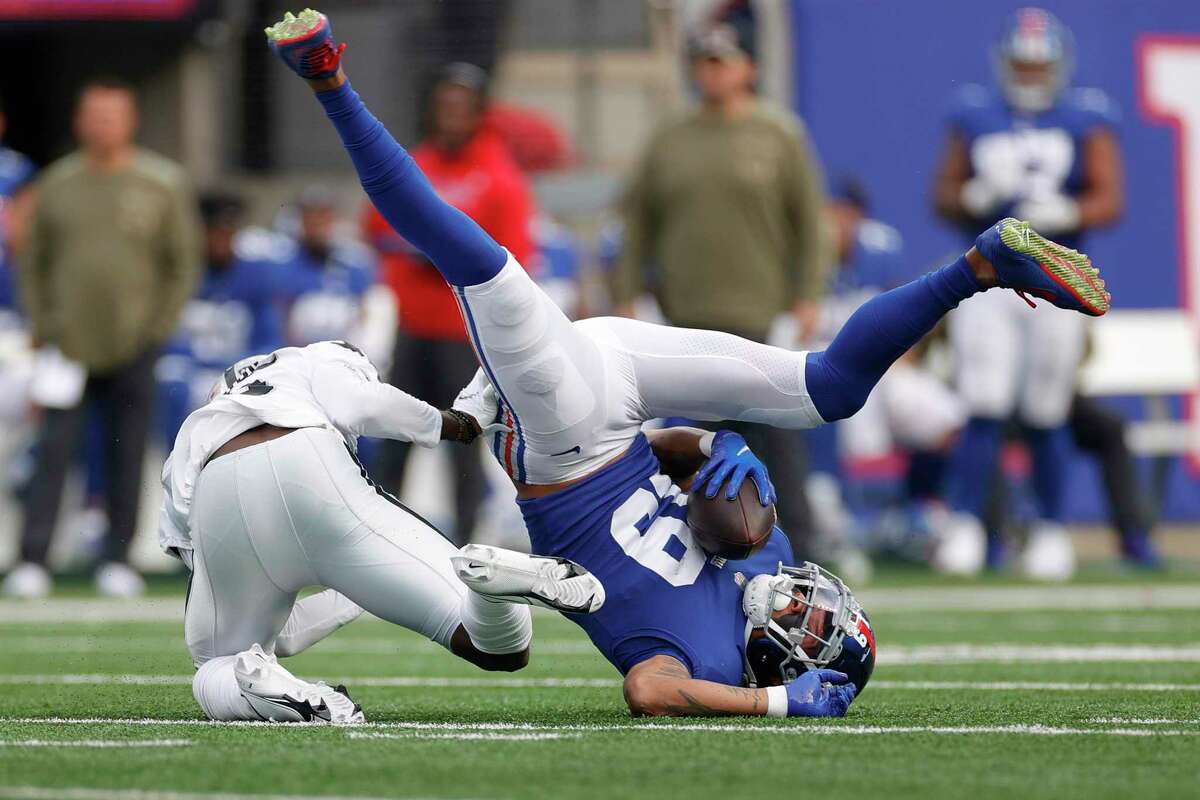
point(575, 396)
point(1046, 153)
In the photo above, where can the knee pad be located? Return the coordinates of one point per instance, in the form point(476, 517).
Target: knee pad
point(215, 688)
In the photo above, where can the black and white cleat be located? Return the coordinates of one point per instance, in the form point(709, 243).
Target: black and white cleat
point(506, 575)
point(277, 695)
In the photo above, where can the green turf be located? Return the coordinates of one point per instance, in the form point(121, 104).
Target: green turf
point(578, 741)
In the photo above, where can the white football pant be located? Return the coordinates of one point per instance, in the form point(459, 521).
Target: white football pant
point(579, 392)
point(1013, 360)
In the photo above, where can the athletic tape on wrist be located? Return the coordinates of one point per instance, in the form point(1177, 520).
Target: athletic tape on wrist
point(777, 701)
point(706, 443)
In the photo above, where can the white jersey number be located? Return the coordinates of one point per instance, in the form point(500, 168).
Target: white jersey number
point(665, 545)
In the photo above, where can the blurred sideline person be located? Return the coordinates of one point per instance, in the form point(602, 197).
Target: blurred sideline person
point(326, 278)
point(723, 224)
point(234, 313)
point(16, 196)
point(1047, 153)
point(1100, 432)
point(111, 258)
point(911, 410)
point(471, 168)
point(16, 362)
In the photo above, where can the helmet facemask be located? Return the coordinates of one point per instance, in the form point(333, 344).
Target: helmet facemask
point(812, 636)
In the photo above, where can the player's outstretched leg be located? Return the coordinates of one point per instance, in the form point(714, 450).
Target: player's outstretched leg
point(548, 375)
point(1010, 255)
point(251, 685)
point(513, 577)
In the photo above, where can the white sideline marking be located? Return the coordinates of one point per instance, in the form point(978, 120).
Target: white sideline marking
point(81, 793)
point(1128, 721)
point(397, 681)
point(797, 728)
point(95, 743)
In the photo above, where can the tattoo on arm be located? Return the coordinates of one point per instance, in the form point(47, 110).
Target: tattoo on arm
point(694, 707)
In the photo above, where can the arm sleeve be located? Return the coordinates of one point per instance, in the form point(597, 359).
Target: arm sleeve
point(33, 278)
point(637, 211)
point(806, 200)
point(460, 249)
point(180, 261)
point(361, 404)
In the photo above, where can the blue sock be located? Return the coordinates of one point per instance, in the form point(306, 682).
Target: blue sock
point(973, 466)
point(1050, 450)
point(883, 329)
point(459, 248)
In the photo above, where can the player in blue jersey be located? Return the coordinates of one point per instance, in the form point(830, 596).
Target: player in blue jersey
point(234, 313)
point(1037, 149)
point(16, 175)
point(325, 277)
point(689, 632)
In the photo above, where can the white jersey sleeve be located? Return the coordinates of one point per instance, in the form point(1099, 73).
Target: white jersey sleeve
point(359, 404)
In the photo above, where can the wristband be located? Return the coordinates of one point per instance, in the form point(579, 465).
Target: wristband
point(706, 443)
point(467, 426)
point(777, 701)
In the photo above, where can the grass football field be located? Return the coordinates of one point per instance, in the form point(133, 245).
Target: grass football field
point(996, 689)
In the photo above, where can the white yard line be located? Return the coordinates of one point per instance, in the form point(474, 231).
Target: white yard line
point(741, 728)
point(1135, 721)
point(82, 793)
point(493, 736)
point(102, 744)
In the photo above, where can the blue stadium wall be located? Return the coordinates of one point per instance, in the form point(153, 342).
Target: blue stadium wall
point(873, 81)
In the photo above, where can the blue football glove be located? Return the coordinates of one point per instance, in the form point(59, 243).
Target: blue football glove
point(730, 463)
point(808, 696)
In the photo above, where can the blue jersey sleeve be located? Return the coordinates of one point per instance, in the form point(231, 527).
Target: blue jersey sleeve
point(1092, 109)
point(642, 645)
point(965, 108)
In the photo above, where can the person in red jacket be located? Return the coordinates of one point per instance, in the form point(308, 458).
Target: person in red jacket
point(471, 167)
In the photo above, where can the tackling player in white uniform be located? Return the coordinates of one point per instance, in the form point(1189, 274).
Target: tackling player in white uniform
point(264, 496)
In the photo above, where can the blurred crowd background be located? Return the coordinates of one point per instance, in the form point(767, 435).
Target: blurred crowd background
point(171, 201)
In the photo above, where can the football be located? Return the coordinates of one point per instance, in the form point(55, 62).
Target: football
point(732, 529)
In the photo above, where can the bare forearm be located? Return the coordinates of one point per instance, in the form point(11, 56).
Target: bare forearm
point(696, 698)
point(678, 451)
point(662, 687)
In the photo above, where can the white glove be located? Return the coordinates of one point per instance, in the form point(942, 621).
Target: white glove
point(981, 197)
point(1050, 214)
point(478, 399)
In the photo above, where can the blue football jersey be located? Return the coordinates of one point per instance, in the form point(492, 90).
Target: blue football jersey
point(16, 171)
point(627, 525)
point(1043, 152)
point(325, 296)
point(234, 314)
